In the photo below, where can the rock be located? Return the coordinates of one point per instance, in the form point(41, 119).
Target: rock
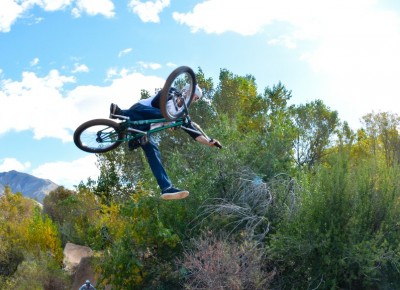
point(78, 263)
point(73, 255)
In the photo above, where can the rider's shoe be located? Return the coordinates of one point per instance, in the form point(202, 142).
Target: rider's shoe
point(137, 142)
point(174, 193)
point(114, 110)
point(133, 144)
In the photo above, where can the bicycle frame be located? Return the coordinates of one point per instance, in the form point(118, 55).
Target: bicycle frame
point(160, 125)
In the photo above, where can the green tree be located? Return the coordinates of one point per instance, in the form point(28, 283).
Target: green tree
point(315, 126)
point(381, 129)
point(76, 214)
point(237, 98)
point(277, 140)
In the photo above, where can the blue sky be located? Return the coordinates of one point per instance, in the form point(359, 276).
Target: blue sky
point(63, 62)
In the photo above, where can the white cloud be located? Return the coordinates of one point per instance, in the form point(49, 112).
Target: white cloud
point(151, 65)
point(8, 164)
point(124, 52)
point(48, 111)
point(34, 62)
point(53, 5)
point(361, 61)
point(283, 40)
point(79, 68)
point(352, 45)
point(148, 11)
point(40, 104)
point(219, 16)
point(69, 174)
point(9, 12)
point(170, 64)
point(91, 7)
point(111, 73)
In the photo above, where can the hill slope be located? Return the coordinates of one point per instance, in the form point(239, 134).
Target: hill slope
point(30, 186)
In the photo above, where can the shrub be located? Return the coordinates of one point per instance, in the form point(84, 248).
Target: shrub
point(345, 234)
point(225, 264)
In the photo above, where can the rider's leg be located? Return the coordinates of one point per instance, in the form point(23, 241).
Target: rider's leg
point(154, 159)
point(142, 112)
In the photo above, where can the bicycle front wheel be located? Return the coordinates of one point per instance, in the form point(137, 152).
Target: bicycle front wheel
point(98, 136)
point(177, 93)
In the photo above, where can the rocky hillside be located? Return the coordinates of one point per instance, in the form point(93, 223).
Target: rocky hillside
point(30, 186)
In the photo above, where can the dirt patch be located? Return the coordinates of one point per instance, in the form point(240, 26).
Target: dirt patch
point(84, 271)
point(78, 261)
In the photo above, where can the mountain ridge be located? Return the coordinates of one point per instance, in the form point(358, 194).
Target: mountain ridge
point(29, 185)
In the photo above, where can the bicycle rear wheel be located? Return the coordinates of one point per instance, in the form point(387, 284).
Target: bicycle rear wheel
point(98, 136)
point(177, 93)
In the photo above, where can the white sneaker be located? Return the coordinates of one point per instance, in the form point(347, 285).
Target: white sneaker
point(174, 193)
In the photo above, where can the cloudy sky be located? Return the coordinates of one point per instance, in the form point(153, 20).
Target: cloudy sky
point(63, 62)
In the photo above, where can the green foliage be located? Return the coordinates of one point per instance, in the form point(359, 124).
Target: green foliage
point(76, 215)
point(33, 273)
point(31, 253)
point(141, 251)
point(339, 238)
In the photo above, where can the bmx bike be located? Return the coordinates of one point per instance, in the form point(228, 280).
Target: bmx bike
point(102, 135)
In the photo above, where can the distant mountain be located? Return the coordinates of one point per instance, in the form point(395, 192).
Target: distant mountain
point(30, 186)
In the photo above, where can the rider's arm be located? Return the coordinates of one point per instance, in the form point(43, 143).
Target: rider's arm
point(200, 138)
point(192, 132)
point(205, 141)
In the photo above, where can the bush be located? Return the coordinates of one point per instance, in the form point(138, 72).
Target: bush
point(37, 273)
point(345, 234)
point(225, 264)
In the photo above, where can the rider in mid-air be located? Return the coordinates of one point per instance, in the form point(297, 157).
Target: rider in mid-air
point(150, 109)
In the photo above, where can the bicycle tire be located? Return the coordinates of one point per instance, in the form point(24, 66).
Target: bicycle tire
point(98, 136)
point(178, 78)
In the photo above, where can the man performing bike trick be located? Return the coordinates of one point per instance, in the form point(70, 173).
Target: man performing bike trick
point(150, 109)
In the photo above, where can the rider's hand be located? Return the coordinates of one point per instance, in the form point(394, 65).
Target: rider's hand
point(216, 143)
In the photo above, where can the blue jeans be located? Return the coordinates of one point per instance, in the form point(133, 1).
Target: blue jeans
point(151, 150)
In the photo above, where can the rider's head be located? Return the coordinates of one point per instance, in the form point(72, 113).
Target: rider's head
point(87, 283)
point(198, 93)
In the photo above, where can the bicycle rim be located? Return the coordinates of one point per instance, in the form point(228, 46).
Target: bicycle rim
point(98, 136)
point(174, 104)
